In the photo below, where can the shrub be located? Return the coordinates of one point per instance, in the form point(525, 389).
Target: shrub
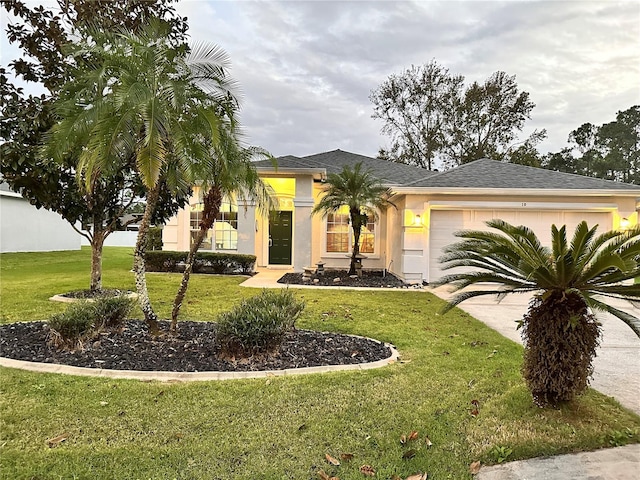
point(111, 312)
point(154, 238)
point(204, 262)
point(70, 328)
point(258, 324)
point(84, 319)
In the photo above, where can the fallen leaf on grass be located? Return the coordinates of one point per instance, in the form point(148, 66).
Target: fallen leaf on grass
point(413, 435)
point(418, 476)
point(475, 412)
point(409, 454)
point(323, 476)
point(474, 468)
point(403, 439)
point(367, 471)
point(302, 427)
point(492, 354)
point(55, 441)
point(346, 456)
point(427, 441)
point(331, 460)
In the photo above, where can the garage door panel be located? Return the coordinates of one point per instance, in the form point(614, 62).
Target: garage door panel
point(445, 222)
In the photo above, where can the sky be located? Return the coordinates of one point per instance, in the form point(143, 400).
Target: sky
point(306, 69)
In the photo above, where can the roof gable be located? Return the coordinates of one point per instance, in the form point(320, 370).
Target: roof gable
point(389, 173)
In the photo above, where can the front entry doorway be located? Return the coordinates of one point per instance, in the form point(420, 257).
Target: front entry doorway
point(280, 233)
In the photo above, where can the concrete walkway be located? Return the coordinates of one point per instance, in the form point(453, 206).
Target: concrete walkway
point(616, 373)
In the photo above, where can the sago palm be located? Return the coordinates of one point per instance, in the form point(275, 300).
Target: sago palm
point(569, 280)
point(362, 193)
point(145, 97)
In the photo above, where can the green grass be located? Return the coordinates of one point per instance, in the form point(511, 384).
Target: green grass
point(281, 428)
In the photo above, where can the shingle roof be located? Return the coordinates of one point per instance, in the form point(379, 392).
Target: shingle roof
point(389, 173)
point(485, 173)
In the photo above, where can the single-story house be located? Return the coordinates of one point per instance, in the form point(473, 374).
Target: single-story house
point(406, 241)
point(24, 228)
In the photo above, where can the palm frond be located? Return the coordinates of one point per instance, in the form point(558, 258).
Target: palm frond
point(633, 322)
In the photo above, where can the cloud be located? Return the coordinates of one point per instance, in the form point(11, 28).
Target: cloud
point(307, 67)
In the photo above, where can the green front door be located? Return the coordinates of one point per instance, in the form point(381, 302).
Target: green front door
point(280, 230)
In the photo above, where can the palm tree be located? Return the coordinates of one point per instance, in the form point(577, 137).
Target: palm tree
point(362, 193)
point(228, 171)
point(570, 281)
point(148, 98)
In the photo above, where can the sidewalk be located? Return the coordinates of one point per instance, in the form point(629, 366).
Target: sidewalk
point(617, 373)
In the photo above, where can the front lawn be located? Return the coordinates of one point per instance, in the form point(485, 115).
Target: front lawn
point(281, 428)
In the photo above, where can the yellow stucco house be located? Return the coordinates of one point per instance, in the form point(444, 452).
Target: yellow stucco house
point(408, 241)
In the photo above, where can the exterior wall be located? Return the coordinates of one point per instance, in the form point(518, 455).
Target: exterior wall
point(24, 228)
point(247, 229)
point(117, 239)
point(416, 237)
point(303, 237)
point(402, 239)
point(395, 236)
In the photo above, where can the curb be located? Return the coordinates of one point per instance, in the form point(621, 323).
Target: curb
point(61, 298)
point(191, 376)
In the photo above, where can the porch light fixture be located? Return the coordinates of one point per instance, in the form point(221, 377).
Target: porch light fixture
point(417, 221)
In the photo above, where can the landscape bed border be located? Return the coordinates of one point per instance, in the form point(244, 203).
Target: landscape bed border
point(165, 376)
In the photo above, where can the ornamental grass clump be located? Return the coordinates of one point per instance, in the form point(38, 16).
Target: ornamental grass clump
point(111, 312)
point(83, 320)
point(71, 328)
point(259, 324)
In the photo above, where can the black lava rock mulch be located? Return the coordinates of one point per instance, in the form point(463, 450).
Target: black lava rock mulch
point(191, 350)
point(368, 279)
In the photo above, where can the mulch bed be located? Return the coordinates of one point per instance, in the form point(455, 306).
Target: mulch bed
point(191, 350)
point(369, 279)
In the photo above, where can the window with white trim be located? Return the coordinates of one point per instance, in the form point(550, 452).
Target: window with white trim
point(224, 234)
point(339, 234)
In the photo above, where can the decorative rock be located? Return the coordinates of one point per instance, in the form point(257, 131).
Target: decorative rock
point(336, 280)
point(353, 276)
point(315, 280)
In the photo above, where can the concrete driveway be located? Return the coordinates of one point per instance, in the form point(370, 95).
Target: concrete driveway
point(617, 365)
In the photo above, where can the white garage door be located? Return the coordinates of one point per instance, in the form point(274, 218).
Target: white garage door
point(445, 222)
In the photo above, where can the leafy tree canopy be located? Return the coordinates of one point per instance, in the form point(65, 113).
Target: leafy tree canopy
point(43, 37)
point(430, 117)
point(610, 151)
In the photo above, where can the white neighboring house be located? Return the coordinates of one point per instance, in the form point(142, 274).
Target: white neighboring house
point(24, 228)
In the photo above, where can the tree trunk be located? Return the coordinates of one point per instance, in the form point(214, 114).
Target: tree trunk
point(97, 241)
point(212, 202)
point(150, 316)
point(356, 224)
